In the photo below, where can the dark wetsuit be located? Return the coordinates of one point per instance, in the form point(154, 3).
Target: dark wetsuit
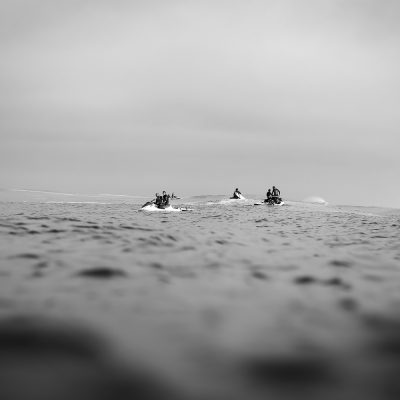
point(276, 192)
point(236, 194)
point(158, 201)
point(269, 197)
point(276, 195)
point(166, 199)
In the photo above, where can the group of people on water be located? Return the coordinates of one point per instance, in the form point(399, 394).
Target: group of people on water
point(162, 200)
point(273, 196)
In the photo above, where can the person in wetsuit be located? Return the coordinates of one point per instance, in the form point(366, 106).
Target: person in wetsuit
point(269, 197)
point(158, 200)
point(165, 198)
point(155, 201)
point(276, 193)
point(236, 194)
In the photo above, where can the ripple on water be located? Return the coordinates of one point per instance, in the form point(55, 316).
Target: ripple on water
point(341, 263)
point(102, 273)
point(29, 256)
point(259, 275)
point(289, 372)
point(334, 281)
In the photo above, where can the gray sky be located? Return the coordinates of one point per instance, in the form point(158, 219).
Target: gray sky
point(199, 97)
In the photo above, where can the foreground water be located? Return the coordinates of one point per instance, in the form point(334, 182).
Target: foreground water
point(228, 301)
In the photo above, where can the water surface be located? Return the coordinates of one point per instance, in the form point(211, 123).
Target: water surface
point(226, 301)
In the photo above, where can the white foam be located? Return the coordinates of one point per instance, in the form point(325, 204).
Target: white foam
point(233, 201)
point(315, 199)
point(153, 207)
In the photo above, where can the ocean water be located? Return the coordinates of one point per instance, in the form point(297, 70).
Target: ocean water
point(99, 300)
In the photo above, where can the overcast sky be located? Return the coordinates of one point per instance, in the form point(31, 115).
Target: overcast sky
point(199, 97)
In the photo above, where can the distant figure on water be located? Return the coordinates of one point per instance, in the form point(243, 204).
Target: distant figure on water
point(275, 192)
point(236, 194)
point(158, 200)
point(165, 198)
point(273, 197)
point(161, 201)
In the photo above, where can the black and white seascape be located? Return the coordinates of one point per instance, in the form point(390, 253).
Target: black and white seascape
point(111, 289)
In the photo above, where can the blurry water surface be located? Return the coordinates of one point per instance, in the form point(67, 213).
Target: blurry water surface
point(228, 301)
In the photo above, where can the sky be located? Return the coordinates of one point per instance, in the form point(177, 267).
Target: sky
point(200, 97)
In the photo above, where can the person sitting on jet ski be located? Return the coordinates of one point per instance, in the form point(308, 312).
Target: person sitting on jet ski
point(275, 192)
point(155, 201)
point(276, 195)
point(158, 200)
point(236, 194)
point(165, 198)
point(269, 197)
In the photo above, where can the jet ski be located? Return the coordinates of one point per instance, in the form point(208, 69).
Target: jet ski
point(237, 196)
point(150, 206)
point(271, 202)
point(153, 207)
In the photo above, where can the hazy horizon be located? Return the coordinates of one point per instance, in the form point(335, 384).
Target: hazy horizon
point(200, 97)
point(15, 195)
